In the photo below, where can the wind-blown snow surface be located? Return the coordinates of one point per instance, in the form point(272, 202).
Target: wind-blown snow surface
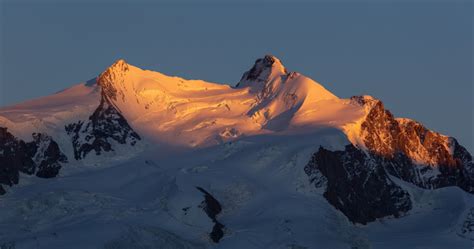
point(246, 146)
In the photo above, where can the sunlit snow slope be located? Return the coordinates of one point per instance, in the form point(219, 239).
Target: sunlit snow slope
point(199, 113)
point(193, 112)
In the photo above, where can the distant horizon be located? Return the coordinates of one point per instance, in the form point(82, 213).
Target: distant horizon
point(415, 57)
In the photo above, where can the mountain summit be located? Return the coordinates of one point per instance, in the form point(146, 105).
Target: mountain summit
point(263, 69)
point(113, 78)
point(205, 163)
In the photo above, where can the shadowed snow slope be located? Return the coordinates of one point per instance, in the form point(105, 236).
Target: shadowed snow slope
point(281, 161)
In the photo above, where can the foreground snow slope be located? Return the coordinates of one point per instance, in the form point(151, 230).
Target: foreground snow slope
point(139, 159)
point(267, 202)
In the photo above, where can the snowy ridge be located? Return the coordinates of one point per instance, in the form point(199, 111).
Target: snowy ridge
point(172, 110)
point(175, 111)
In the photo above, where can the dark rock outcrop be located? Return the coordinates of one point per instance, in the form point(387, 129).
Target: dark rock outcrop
point(467, 227)
point(357, 185)
point(48, 156)
point(104, 125)
point(41, 157)
point(212, 208)
point(261, 70)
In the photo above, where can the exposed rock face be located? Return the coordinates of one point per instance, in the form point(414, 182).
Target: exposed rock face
point(212, 208)
point(385, 135)
point(412, 152)
point(112, 77)
point(467, 227)
point(48, 157)
point(261, 71)
point(357, 179)
point(41, 156)
point(357, 185)
point(106, 124)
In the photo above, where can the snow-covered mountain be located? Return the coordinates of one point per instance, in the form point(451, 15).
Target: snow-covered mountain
point(139, 159)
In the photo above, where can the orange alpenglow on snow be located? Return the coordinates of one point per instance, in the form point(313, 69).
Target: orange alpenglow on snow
point(268, 99)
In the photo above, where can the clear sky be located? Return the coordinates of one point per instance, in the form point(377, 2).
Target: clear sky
point(416, 56)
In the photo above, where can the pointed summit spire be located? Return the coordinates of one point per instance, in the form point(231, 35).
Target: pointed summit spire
point(112, 77)
point(263, 69)
point(119, 65)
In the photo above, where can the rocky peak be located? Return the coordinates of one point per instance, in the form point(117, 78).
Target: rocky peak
point(119, 65)
point(111, 79)
point(387, 136)
point(366, 101)
point(262, 71)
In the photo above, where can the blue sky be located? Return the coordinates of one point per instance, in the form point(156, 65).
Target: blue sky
point(415, 56)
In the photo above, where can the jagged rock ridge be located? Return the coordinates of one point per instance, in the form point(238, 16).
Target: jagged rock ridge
point(413, 153)
point(105, 125)
point(41, 157)
point(261, 71)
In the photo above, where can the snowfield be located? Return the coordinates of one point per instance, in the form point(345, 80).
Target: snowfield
point(151, 201)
